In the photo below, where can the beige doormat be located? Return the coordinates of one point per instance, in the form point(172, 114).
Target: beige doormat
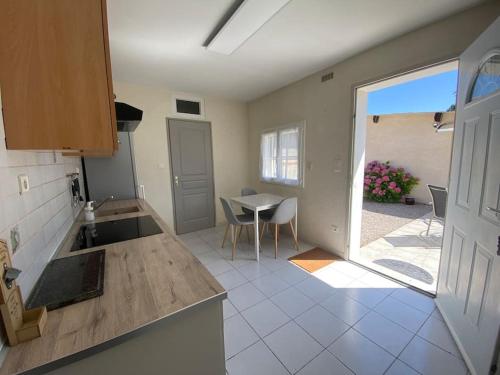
point(314, 259)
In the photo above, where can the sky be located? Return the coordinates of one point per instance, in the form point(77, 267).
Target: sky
point(430, 94)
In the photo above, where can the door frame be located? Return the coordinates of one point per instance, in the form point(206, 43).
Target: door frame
point(168, 119)
point(352, 157)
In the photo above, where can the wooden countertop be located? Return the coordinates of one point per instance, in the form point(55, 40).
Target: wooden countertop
point(145, 280)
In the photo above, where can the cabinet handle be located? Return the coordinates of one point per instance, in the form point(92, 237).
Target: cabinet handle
point(176, 179)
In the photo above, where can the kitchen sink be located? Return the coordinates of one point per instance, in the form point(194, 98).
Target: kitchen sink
point(116, 211)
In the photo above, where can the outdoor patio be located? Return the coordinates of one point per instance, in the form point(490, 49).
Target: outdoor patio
point(394, 241)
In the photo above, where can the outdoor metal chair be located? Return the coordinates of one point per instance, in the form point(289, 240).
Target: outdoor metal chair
point(439, 195)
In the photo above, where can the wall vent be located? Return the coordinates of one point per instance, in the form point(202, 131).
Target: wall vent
point(188, 106)
point(327, 77)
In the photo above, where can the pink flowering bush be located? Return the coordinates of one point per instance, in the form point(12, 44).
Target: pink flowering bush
point(384, 183)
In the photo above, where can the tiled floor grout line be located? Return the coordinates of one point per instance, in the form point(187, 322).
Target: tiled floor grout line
point(325, 348)
point(409, 342)
point(262, 339)
point(319, 304)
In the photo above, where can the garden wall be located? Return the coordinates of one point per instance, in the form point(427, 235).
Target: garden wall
point(410, 141)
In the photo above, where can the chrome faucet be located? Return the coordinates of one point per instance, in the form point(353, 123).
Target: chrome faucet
point(111, 197)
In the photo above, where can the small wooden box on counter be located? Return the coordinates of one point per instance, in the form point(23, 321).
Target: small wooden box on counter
point(20, 324)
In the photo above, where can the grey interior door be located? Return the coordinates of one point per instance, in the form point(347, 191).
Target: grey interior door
point(192, 175)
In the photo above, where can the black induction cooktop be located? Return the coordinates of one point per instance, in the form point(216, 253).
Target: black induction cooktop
point(69, 280)
point(107, 232)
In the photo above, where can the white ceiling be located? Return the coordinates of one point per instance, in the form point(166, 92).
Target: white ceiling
point(159, 42)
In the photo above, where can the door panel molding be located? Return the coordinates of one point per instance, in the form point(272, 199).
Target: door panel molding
point(455, 259)
point(478, 284)
point(467, 147)
point(493, 137)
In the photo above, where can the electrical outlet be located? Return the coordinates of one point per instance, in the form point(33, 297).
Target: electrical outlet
point(24, 183)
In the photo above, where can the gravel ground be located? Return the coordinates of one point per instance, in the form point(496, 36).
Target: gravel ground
point(379, 219)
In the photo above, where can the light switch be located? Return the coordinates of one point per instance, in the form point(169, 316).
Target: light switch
point(24, 183)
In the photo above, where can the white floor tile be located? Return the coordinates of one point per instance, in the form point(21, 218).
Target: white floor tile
point(253, 271)
point(348, 268)
point(384, 333)
point(199, 248)
point(333, 277)
point(293, 346)
point(228, 309)
point(322, 325)
point(315, 289)
point(208, 257)
point(265, 317)
point(360, 354)
point(436, 331)
point(429, 359)
point(231, 279)
point(291, 274)
point(399, 368)
point(324, 364)
point(286, 251)
point(415, 299)
point(219, 266)
point(345, 308)
point(406, 316)
point(382, 284)
point(245, 296)
point(238, 335)
point(270, 285)
point(257, 359)
point(292, 302)
point(437, 315)
point(364, 294)
point(273, 264)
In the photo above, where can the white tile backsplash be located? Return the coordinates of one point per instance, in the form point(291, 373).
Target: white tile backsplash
point(43, 215)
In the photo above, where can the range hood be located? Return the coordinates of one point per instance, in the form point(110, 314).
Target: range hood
point(127, 117)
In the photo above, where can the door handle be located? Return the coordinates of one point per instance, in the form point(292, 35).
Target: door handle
point(495, 210)
point(176, 179)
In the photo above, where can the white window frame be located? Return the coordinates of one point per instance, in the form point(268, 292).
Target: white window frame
point(189, 97)
point(277, 180)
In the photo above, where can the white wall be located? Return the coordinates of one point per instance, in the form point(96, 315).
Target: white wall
point(409, 140)
point(229, 123)
point(43, 215)
point(327, 109)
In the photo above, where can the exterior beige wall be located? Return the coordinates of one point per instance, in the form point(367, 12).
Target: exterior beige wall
point(327, 109)
point(409, 140)
point(229, 121)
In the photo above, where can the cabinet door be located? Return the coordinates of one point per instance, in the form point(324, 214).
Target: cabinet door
point(55, 75)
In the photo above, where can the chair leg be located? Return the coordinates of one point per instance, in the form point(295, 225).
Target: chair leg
point(276, 230)
point(239, 232)
point(248, 233)
point(236, 237)
point(429, 226)
point(262, 232)
point(225, 235)
point(294, 236)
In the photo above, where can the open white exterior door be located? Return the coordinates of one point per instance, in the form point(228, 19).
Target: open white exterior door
point(469, 278)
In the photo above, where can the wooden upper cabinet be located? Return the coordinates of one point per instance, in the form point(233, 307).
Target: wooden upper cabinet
point(55, 75)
